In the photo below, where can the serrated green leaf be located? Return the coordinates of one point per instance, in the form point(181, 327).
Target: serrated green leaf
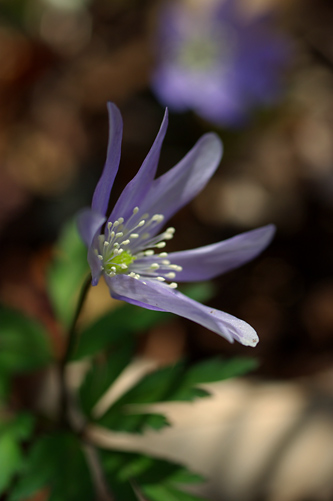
point(20, 426)
point(56, 462)
point(10, 460)
point(176, 382)
point(67, 273)
point(167, 493)
point(102, 374)
point(12, 432)
point(24, 344)
point(152, 476)
point(153, 387)
point(210, 371)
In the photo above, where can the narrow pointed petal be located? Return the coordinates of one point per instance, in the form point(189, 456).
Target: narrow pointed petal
point(213, 260)
point(94, 263)
point(89, 222)
point(137, 188)
point(184, 181)
point(160, 296)
point(102, 191)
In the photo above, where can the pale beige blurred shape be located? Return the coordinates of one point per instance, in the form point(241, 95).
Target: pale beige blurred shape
point(250, 439)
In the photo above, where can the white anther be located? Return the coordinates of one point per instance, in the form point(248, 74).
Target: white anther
point(100, 257)
point(125, 242)
point(171, 274)
point(142, 222)
point(168, 236)
point(157, 217)
point(119, 234)
point(135, 210)
point(120, 220)
point(160, 279)
point(154, 266)
point(113, 268)
point(149, 253)
point(106, 243)
point(134, 235)
point(163, 254)
point(109, 225)
point(160, 245)
point(124, 266)
point(173, 285)
point(175, 267)
point(165, 261)
point(137, 276)
point(116, 245)
point(132, 274)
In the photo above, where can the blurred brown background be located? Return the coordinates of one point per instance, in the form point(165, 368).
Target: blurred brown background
point(61, 60)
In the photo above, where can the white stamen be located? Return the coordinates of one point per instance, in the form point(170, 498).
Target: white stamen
point(170, 275)
point(154, 266)
point(134, 235)
point(160, 279)
point(173, 285)
point(160, 245)
point(163, 254)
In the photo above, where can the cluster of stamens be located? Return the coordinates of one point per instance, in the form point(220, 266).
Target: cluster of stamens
point(129, 248)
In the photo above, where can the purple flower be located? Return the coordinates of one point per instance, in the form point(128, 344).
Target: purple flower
point(216, 62)
point(128, 252)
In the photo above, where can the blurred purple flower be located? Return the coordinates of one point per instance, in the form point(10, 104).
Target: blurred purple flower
point(124, 253)
point(217, 62)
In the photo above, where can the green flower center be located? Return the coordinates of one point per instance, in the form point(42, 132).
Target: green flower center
point(119, 263)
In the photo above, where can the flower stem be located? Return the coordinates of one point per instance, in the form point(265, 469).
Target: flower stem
point(71, 340)
point(71, 333)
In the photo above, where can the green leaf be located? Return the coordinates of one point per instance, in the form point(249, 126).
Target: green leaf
point(67, 273)
point(152, 476)
point(10, 460)
point(102, 374)
point(211, 371)
point(167, 493)
point(24, 343)
point(153, 387)
point(12, 433)
point(56, 462)
point(177, 382)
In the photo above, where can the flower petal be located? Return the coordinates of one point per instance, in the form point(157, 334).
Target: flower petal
point(213, 260)
point(137, 188)
point(184, 181)
point(102, 191)
point(89, 222)
point(159, 296)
